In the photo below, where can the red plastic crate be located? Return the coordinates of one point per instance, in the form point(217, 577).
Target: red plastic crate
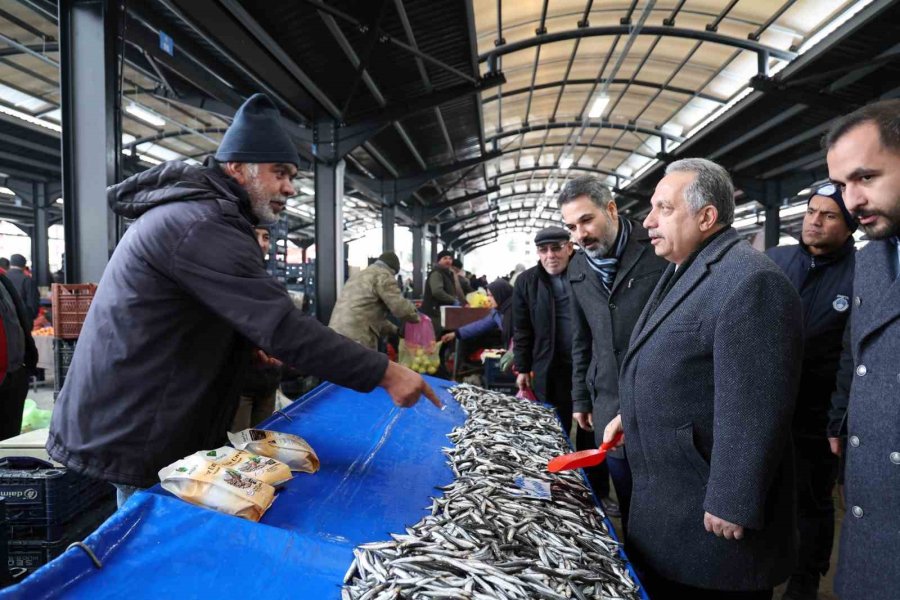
point(71, 302)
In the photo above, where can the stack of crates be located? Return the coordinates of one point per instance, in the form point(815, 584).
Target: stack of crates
point(48, 508)
point(71, 302)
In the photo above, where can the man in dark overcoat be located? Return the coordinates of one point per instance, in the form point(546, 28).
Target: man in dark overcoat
point(611, 278)
point(707, 392)
point(863, 153)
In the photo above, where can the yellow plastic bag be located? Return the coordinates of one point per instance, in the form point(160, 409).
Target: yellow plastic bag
point(477, 299)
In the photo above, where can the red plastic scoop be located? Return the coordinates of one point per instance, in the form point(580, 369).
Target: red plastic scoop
point(585, 458)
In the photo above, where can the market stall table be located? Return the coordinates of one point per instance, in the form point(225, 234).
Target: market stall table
point(380, 466)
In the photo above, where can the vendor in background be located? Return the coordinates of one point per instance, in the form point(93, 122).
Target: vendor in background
point(157, 370)
point(368, 297)
point(257, 401)
point(19, 354)
point(440, 289)
point(499, 295)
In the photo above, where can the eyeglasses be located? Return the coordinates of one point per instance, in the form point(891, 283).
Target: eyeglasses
point(551, 248)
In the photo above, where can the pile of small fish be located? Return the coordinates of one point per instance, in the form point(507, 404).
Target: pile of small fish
point(486, 538)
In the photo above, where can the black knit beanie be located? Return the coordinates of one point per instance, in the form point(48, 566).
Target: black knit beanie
point(257, 136)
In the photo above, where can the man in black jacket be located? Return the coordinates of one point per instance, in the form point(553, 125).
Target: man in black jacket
point(542, 318)
point(611, 280)
point(19, 354)
point(183, 300)
point(821, 268)
point(24, 285)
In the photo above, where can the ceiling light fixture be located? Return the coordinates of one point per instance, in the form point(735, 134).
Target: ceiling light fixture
point(599, 106)
point(144, 115)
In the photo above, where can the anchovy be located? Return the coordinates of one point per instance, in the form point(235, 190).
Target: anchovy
point(482, 538)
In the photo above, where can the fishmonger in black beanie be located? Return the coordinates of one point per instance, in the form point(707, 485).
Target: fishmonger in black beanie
point(257, 136)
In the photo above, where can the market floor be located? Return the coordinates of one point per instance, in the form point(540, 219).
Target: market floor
point(826, 587)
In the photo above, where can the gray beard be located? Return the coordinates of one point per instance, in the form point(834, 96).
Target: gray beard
point(259, 204)
point(599, 252)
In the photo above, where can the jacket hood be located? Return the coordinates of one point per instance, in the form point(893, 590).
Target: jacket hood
point(175, 181)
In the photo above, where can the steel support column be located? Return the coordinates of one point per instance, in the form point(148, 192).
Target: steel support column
point(418, 260)
point(40, 237)
point(435, 238)
point(388, 218)
point(91, 138)
point(773, 216)
point(329, 183)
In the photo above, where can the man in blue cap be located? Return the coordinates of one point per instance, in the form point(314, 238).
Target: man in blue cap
point(184, 302)
point(821, 269)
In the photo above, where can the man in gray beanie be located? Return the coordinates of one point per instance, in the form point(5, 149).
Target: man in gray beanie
point(182, 305)
point(368, 297)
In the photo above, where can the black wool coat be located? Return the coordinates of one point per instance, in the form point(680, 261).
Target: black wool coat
point(707, 395)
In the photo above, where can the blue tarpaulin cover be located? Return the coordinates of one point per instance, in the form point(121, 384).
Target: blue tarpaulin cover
point(380, 465)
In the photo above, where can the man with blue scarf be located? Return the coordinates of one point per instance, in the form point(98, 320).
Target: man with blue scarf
point(611, 278)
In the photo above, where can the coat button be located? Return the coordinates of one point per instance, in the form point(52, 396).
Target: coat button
point(895, 458)
point(861, 370)
point(612, 306)
point(857, 512)
point(854, 441)
point(857, 301)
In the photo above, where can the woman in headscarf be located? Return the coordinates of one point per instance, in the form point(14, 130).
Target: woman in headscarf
point(500, 294)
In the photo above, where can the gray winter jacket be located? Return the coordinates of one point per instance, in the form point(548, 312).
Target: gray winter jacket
point(707, 393)
point(156, 371)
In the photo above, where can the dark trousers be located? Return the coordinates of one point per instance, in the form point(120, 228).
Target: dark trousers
point(620, 473)
point(660, 588)
point(559, 394)
point(817, 470)
point(12, 400)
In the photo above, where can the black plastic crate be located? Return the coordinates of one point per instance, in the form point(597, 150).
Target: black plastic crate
point(39, 494)
point(31, 555)
point(5, 577)
point(63, 351)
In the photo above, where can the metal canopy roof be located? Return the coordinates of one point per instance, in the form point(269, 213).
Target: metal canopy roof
point(479, 110)
point(653, 73)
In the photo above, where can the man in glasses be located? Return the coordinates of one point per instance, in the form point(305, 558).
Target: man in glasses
point(821, 269)
point(611, 278)
point(863, 154)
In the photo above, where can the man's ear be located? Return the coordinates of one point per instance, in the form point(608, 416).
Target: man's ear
point(236, 171)
point(709, 216)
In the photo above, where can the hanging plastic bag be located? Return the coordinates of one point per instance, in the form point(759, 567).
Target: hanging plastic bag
point(527, 394)
point(418, 349)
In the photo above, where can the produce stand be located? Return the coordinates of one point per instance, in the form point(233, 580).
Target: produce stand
point(380, 467)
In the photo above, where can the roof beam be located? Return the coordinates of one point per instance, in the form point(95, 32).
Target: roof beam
point(491, 56)
point(618, 81)
point(434, 211)
point(401, 189)
point(590, 125)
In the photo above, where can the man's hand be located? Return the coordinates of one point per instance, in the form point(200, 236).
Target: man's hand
point(835, 444)
point(584, 420)
point(722, 528)
point(448, 337)
point(613, 428)
point(265, 360)
point(405, 386)
point(523, 380)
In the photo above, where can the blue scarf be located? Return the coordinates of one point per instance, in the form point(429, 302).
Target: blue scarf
point(606, 268)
